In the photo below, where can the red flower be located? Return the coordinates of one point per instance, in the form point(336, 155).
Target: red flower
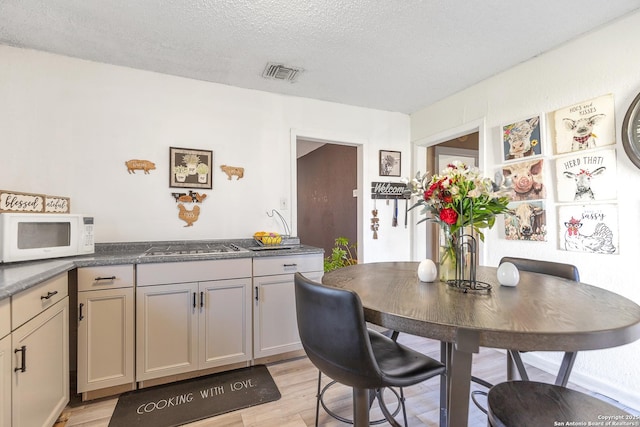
point(447, 198)
point(448, 216)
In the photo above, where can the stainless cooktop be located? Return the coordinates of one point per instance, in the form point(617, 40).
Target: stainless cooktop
point(195, 249)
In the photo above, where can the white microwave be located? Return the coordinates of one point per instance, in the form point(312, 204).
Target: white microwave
point(31, 236)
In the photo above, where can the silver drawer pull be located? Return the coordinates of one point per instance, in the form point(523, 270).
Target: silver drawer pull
point(97, 279)
point(48, 295)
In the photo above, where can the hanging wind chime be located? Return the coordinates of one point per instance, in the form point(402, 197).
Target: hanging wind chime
point(375, 221)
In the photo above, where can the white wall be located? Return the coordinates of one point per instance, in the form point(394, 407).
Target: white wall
point(602, 62)
point(68, 126)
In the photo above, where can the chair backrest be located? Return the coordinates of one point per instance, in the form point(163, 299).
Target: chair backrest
point(334, 333)
point(565, 271)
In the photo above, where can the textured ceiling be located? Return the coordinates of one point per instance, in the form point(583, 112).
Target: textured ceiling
point(395, 55)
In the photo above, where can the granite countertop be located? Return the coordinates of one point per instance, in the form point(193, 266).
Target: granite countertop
point(18, 276)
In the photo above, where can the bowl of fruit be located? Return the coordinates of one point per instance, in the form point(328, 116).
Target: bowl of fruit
point(267, 238)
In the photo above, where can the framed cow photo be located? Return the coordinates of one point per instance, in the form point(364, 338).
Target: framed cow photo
point(526, 221)
point(522, 139)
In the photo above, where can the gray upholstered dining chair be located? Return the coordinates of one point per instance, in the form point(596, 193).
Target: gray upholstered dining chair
point(335, 338)
point(530, 403)
point(565, 271)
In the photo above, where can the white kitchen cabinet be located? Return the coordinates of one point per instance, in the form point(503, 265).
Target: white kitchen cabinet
point(106, 334)
point(191, 316)
point(275, 328)
point(40, 363)
point(5, 362)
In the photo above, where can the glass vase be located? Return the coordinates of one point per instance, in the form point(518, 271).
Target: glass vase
point(447, 256)
point(456, 253)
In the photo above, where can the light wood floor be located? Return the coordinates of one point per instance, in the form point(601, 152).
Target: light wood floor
point(296, 380)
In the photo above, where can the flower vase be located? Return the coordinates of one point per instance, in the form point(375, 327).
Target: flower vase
point(455, 255)
point(447, 256)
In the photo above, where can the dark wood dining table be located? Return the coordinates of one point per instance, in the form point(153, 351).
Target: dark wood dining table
point(541, 313)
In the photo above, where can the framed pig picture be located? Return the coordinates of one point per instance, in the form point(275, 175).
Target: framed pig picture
point(587, 176)
point(589, 228)
point(585, 126)
point(524, 180)
point(526, 221)
point(522, 139)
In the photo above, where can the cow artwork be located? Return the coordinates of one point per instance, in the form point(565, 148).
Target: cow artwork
point(583, 182)
point(522, 139)
point(587, 176)
point(526, 221)
point(524, 180)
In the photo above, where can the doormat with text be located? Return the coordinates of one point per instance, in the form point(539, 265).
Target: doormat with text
point(194, 399)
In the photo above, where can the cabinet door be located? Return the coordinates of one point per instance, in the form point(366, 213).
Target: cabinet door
point(166, 330)
point(5, 381)
point(275, 325)
point(41, 381)
point(105, 338)
point(225, 322)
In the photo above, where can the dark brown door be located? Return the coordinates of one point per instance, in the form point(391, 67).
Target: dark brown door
point(327, 209)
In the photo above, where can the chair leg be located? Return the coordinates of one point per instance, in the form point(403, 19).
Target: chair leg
point(515, 355)
point(385, 410)
point(318, 398)
point(360, 407)
point(404, 408)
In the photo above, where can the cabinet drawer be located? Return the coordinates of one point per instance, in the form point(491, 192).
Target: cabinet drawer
point(192, 271)
point(27, 304)
point(5, 317)
point(105, 277)
point(268, 266)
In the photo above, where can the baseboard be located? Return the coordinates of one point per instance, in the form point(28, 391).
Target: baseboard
point(610, 391)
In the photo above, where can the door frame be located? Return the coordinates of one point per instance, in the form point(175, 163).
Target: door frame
point(419, 244)
point(327, 137)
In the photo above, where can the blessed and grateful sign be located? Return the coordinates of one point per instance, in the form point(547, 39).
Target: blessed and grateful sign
point(14, 201)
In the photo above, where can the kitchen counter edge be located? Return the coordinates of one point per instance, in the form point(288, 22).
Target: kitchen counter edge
point(17, 277)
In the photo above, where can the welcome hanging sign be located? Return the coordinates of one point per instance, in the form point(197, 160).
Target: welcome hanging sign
point(389, 190)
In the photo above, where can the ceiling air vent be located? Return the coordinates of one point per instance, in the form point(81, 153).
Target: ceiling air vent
point(281, 72)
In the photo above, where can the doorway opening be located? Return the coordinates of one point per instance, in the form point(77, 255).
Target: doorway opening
point(463, 148)
point(464, 142)
point(326, 193)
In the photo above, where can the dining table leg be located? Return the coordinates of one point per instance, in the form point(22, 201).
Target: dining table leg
point(445, 358)
point(467, 343)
